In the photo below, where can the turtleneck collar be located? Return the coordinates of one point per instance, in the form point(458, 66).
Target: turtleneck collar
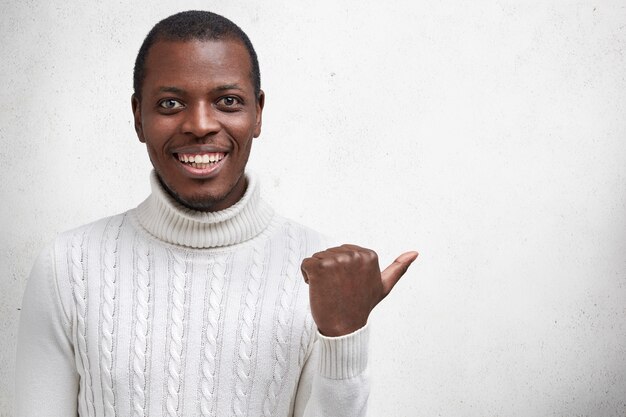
point(170, 221)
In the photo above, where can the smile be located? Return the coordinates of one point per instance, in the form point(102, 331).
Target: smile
point(201, 161)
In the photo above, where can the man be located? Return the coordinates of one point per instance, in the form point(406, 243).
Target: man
point(193, 303)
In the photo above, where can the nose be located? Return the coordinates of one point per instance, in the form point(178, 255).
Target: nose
point(200, 120)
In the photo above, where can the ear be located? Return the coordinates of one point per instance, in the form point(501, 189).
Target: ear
point(259, 113)
point(135, 103)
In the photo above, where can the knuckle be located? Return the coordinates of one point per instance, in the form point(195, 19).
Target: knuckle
point(307, 263)
point(372, 255)
point(328, 263)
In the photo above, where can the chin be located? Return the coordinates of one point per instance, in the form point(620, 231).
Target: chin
point(204, 197)
point(199, 203)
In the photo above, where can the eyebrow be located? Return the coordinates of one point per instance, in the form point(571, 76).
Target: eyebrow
point(229, 87)
point(177, 90)
point(171, 90)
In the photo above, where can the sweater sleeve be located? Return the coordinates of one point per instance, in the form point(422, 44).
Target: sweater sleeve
point(46, 382)
point(334, 381)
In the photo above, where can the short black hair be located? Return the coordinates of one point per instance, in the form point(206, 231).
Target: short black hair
point(192, 25)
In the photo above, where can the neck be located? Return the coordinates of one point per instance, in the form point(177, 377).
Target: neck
point(167, 219)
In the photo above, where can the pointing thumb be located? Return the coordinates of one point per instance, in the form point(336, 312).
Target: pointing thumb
point(392, 274)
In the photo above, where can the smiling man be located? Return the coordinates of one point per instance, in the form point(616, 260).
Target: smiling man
point(197, 110)
point(194, 303)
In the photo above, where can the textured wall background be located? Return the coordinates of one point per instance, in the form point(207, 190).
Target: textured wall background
point(490, 137)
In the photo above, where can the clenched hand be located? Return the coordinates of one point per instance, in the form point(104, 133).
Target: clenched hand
point(345, 284)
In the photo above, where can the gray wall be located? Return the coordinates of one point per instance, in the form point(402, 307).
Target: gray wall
point(490, 136)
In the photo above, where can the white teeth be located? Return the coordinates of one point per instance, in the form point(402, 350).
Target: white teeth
point(201, 165)
point(201, 160)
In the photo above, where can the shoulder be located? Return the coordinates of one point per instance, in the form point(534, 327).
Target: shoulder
point(77, 239)
point(71, 248)
point(309, 239)
point(64, 260)
point(90, 230)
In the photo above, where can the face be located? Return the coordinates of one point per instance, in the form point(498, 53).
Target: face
point(197, 115)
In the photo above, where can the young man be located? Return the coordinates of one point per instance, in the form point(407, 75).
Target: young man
point(194, 303)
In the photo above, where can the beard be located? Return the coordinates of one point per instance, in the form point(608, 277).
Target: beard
point(197, 202)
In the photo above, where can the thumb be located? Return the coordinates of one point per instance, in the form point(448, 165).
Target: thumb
point(303, 269)
point(392, 274)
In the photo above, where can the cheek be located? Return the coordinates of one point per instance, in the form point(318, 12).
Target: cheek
point(244, 130)
point(156, 144)
point(153, 155)
point(156, 132)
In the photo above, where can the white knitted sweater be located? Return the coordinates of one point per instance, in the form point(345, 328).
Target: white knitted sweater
point(164, 311)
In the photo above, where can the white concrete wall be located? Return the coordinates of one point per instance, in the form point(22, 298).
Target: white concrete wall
point(490, 136)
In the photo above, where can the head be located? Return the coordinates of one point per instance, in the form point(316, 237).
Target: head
point(197, 105)
point(194, 25)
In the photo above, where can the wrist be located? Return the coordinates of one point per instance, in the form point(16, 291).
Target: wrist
point(341, 329)
point(345, 356)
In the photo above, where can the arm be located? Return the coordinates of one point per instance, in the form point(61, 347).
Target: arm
point(46, 380)
point(334, 380)
point(345, 284)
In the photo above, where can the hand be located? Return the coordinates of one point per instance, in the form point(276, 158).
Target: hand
point(345, 284)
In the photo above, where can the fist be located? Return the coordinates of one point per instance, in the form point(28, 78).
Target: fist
point(345, 284)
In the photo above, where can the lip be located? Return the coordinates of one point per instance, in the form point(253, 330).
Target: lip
point(200, 149)
point(200, 173)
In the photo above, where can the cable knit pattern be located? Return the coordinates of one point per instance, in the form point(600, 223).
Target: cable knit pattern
point(211, 337)
point(305, 339)
point(248, 322)
point(177, 332)
point(282, 321)
point(141, 328)
point(162, 311)
point(107, 310)
point(79, 287)
point(309, 329)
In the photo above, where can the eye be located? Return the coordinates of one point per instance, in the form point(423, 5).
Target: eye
point(170, 104)
point(229, 101)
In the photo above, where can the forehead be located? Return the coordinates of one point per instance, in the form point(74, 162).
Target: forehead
point(197, 62)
